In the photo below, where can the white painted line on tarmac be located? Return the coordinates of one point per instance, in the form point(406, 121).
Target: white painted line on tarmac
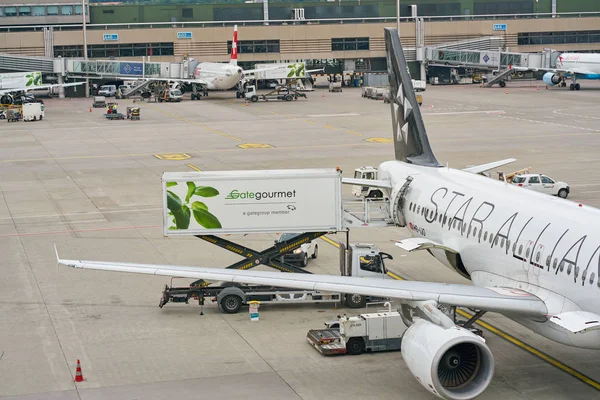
point(494, 112)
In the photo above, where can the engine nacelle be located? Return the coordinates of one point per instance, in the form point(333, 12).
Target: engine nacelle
point(551, 79)
point(454, 364)
point(7, 99)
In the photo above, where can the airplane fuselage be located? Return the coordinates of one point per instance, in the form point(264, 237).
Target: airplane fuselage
point(581, 61)
point(219, 76)
point(508, 237)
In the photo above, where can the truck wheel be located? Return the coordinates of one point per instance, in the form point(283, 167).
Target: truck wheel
point(356, 300)
point(254, 98)
point(355, 346)
point(288, 97)
point(231, 304)
point(316, 253)
point(237, 95)
point(304, 260)
point(563, 193)
point(502, 84)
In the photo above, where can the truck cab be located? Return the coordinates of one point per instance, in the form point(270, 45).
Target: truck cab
point(363, 260)
point(366, 172)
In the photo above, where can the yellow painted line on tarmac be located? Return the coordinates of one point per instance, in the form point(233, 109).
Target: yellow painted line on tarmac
point(330, 127)
point(530, 349)
point(310, 122)
point(194, 167)
point(195, 124)
point(274, 113)
point(353, 133)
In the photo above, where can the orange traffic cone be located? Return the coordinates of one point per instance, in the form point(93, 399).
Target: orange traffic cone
point(246, 103)
point(78, 374)
point(90, 108)
point(323, 94)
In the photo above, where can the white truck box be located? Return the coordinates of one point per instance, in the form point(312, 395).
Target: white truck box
point(33, 111)
point(255, 201)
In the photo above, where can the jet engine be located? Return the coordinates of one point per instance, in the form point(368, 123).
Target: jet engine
point(551, 79)
point(7, 99)
point(453, 363)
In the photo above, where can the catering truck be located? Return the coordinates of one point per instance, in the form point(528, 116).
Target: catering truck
point(305, 202)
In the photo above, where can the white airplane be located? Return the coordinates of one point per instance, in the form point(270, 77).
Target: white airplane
point(218, 76)
point(15, 84)
point(570, 65)
point(531, 257)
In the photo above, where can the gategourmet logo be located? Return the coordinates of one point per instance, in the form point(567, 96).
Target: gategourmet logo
point(237, 195)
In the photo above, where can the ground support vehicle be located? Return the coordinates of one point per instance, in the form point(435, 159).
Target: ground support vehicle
point(14, 115)
point(133, 113)
point(279, 93)
point(335, 86)
point(366, 172)
point(542, 184)
point(379, 331)
point(170, 95)
point(360, 260)
point(33, 112)
point(99, 102)
point(114, 115)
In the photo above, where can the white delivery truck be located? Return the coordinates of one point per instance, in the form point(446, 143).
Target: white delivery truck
point(33, 111)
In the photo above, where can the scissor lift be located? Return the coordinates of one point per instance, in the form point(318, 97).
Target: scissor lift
point(272, 257)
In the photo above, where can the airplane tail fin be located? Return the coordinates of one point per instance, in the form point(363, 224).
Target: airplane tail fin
point(411, 144)
point(234, 47)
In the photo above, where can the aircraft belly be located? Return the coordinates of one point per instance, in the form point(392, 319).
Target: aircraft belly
point(588, 340)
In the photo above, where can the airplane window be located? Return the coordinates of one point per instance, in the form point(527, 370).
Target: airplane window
point(527, 253)
point(554, 263)
point(592, 276)
point(474, 230)
point(418, 209)
point(440, 217)
point(569, 268)
point(537, 258)
point(520, 249)
point(507, 245)
point(584, 275)
point(464, 227)
point(496, 241)
point(485, 236)
point(469, 232)
point(444, 220)
point(561, 266)
point(501, 242)
point(410, 207)
point(514, 247)
point(491, 238)
point(480, 232)
point(548, 261)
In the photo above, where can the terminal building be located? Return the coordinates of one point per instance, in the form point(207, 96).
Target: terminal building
point(338, 35)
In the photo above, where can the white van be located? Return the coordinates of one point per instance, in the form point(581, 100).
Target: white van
point(33, 111)
point(107, 90)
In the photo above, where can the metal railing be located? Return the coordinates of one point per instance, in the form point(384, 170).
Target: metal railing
point(201, 24)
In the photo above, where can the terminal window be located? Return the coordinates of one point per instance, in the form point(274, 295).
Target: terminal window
point(38, 11)
point(104, 51)
point(541, 38)
point(255, 46)
point(503, 7)
point(10, 11)
point(348, 44)
point(52, 10)
point(24, 11)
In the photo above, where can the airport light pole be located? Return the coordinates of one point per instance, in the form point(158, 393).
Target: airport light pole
point(85, 57)
point(398, 16)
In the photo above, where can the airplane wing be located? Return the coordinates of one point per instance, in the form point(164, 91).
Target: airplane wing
point(29, 88)
point(367, 182)
point(502, 300)
point(477, 169)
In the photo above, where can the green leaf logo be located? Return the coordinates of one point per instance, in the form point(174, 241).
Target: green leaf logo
point(171, 184)
point(206, 219)
point(190, 192)
point(173, 201)
point(206, 191)
point(198, 205)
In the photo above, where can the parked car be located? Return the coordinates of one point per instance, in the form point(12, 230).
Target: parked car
point(107, 90)
point(300, 255)
point(543, 184)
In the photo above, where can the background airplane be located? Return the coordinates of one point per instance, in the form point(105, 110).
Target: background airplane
point(15, 84)
point(218, 76)
point(529, 256)
point(570, 65)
